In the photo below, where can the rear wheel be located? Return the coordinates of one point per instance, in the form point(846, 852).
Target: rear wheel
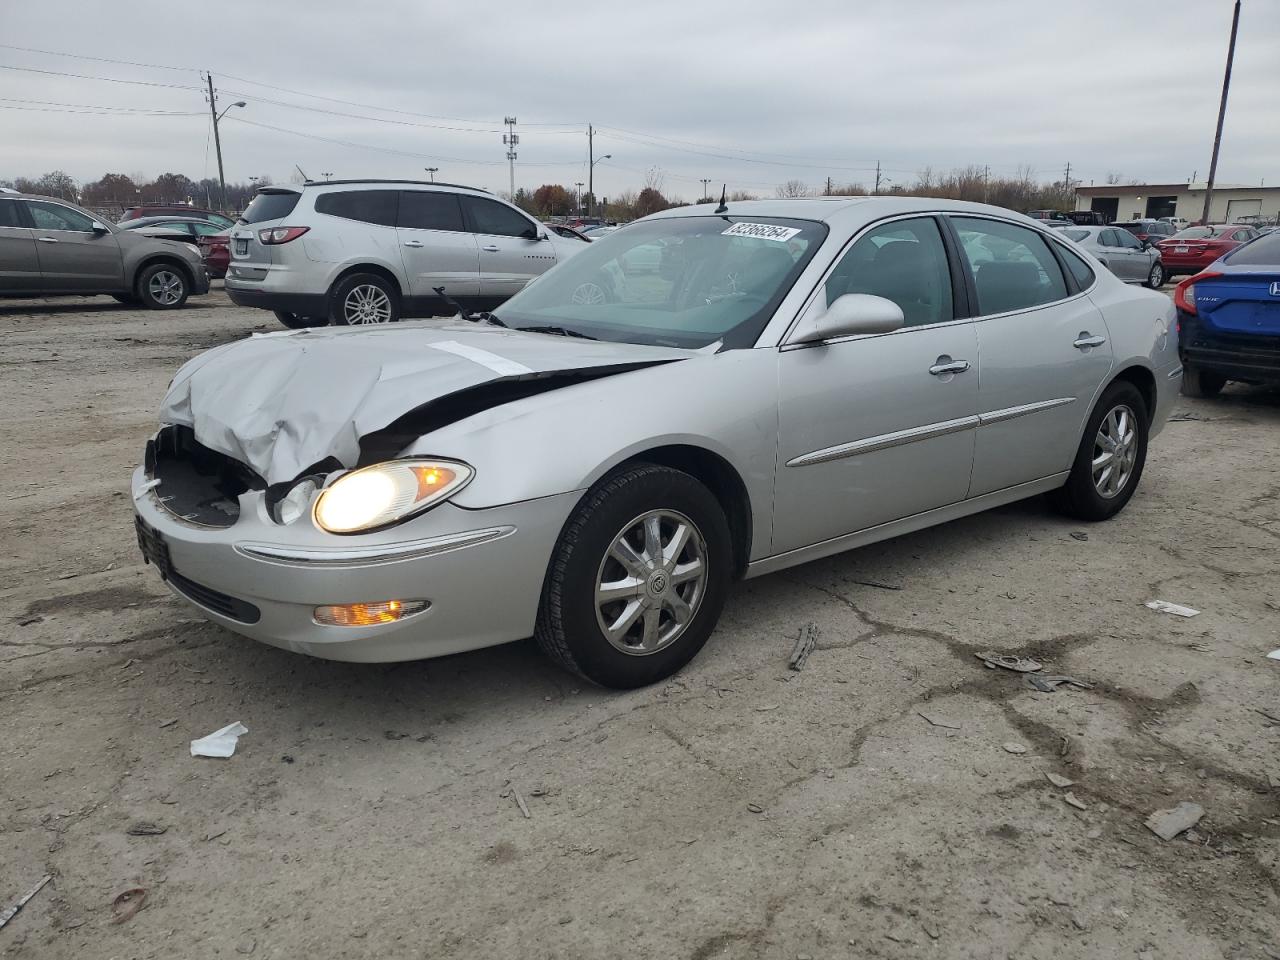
point(363, 298)
point(1201, 383)
point(296, 322)
point(162, 286)
point(638, 578)
point(1110, 458)
point(1155, 279)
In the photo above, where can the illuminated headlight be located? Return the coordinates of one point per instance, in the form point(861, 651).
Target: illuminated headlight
point(387, 493)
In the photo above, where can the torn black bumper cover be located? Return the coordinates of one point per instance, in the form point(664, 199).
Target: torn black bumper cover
point(282, 402)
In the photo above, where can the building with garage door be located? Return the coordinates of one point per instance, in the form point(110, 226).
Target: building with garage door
point(1232, 203)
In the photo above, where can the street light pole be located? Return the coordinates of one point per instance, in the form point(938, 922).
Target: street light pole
point(431, 172)
point(591, 189)
point(578, 184)
point(1222, 113)
point(217, 139)
point(704, 182)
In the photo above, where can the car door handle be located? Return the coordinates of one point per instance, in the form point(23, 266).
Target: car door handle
point(47, 239)
point(413, 243)
point(951, 366)
point(490, 249)
point(1084, 341)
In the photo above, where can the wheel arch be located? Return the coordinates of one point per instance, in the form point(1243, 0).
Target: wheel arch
point(167, 259)
point(377, 269)
point(1145, 381)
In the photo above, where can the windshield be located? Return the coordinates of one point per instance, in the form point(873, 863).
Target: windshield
point(680, 282)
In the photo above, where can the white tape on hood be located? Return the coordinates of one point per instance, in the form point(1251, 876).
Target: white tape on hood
point(499, 365)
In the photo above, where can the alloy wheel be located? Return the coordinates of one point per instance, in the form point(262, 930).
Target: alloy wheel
point(367, 303)
point(588, 293)
point(651, 582)
point(165, 287)
point(1115, 451)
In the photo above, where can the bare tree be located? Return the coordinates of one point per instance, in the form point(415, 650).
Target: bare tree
point(794, 188)
point(1114, 179)
point(654, 179)
point(742, 195)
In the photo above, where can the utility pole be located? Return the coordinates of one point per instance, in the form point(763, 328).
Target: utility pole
point(1222, 114)
point(704, 181)
point(217, 142)
point(578, 184)
point(510, 140)
point(877, 190)
point(828, 193)
point(591, 170)
point(431, 172)
point(986, 184)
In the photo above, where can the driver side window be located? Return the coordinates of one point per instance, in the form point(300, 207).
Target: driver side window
point(495, 219)
point(903, 261)
point(53, 216)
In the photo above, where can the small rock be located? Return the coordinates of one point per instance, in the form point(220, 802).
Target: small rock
point(931, 928)
point(1167, 824)
point(1078, 923)
point(1074, 801)
point(246, 946)
point(1058, 780)
point(1093, 834)
point(1014, 748)
point(1078, 535)
point(168, 723)
point(755, 808)
point(145, 828)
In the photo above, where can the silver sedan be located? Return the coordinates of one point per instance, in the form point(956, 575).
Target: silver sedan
point(794, 378)
point(1119, 251)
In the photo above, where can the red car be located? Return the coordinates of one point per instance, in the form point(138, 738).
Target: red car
point(1191, 250)
point(215, 250)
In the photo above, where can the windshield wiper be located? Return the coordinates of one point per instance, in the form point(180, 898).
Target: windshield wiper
point(556, 331)
point(478, 317)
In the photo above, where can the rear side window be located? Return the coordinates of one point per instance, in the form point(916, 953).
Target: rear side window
point(367, 206)
point(495, 219)
point(9, 214)
point(1013, 267)
point(903, 261)
point(1263, 252)
point(1079, 269)
point(269, 206)
point(420, 210)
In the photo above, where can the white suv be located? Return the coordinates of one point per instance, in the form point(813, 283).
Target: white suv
point(373, 251)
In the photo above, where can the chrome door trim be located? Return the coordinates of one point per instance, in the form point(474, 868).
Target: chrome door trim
point(884, 441)
point(374, 553)
point(1022, 410)
point(895, 528)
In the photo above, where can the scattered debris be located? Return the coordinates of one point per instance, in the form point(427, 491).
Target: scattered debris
point(878, 584)
point(1072, 800)
point(1064, 748)
point(1183, 418)
point(1079, 535)
point(1167, 824)
point(1058, 780)
point(937, 720)
point(1007, 661)
point(246, 946)
point(127, 904)
point(286, 758)
point(145, 828)
point(1274, 655)
point(931, 928)
point(214, 836)
point(1014, 748)
point(11, 911)
point(1093, 834)
point(524, 807)
point(1048, 684)
point(755, 808)
point(767, 708)
point(805, 643)
point(168, 723)
point(393, 735)
point(30, 621)
point(220, 743)
point(1270, 716)
point(1164, 606)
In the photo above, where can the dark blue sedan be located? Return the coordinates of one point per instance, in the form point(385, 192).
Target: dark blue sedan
point(1229, 319)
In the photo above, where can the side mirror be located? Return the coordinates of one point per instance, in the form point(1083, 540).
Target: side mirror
point(98, 228)
point(850, 315)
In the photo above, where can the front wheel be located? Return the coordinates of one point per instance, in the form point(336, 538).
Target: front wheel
point(363, 298)
point(1201, 383)
point(637, 579)
point(297, 322)
point(162, 286)
point(1110, 458)
point(1155, 279)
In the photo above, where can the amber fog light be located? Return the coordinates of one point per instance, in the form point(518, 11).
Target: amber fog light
point(368, 614)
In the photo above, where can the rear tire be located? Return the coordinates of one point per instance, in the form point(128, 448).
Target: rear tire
point(1155, 279)
point(1203, 384)
point(644, 561)
point(295, 322)
point(1119, 426)
point(162, 286)
point(363, 299)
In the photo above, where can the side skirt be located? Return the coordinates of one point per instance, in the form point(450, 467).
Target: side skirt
point(895, 528)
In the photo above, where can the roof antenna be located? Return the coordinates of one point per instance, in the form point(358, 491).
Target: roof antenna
point(722, 208)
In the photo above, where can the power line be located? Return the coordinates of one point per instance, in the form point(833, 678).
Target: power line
point(81, 56)
point(82, 76)
point(357, 116)
point(102, 107)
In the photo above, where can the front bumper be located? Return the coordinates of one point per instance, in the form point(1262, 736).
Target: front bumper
point(481, 571)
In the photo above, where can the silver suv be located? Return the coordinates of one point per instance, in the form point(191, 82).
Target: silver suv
point(373, 251)
point(49, 247)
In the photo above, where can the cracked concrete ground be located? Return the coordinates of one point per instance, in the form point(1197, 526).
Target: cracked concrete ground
point(740, 810)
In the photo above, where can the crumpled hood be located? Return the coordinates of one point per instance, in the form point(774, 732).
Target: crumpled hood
point(283, 402)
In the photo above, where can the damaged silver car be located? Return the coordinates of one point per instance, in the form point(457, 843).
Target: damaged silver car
point(704, 395)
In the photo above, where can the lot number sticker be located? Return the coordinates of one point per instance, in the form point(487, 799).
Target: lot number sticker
point(761, 231)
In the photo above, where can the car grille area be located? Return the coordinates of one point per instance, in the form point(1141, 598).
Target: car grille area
point(197, 484)
point(155, 550)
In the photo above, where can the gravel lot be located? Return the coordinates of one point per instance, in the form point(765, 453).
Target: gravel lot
point(741, 810)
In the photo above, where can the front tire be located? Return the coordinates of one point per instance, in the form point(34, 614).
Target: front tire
point(1203, 384)
point(1110, 458)
point(1155, 279)
point(363, 299)
point(162, 286)
point(637, 579)
point(295, 322)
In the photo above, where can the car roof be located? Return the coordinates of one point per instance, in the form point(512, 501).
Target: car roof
point(143, 221)
point(361, 183)
point(844, 212)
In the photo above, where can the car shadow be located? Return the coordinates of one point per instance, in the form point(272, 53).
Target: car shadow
point(63, 305)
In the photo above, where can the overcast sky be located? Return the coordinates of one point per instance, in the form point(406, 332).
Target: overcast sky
point(752, 93)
